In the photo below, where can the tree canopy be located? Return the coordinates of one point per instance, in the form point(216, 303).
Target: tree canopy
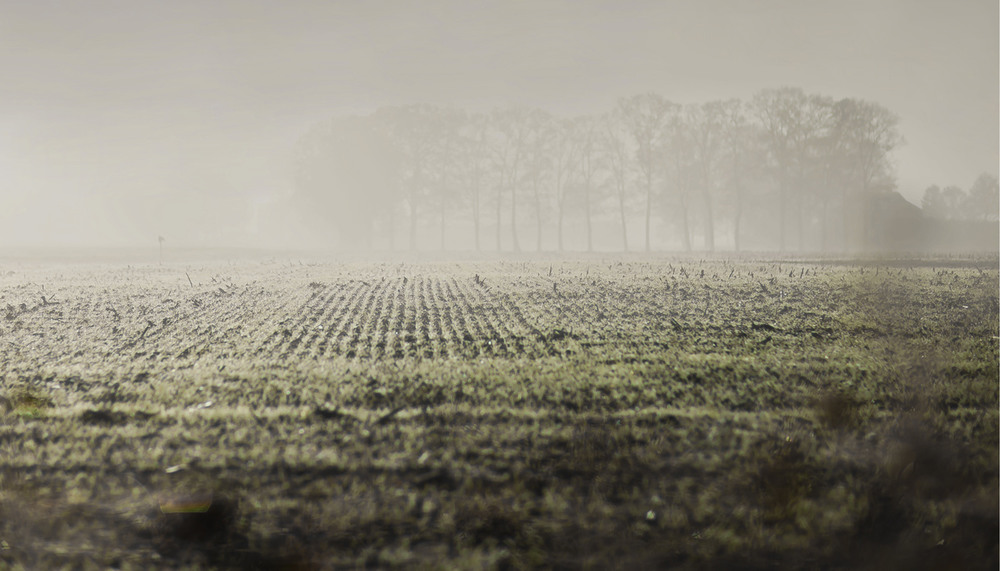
point(786, 169)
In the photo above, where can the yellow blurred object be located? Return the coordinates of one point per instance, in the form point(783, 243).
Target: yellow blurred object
point(186, 504)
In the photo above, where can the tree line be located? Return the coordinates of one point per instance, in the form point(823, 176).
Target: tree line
point(981, 202)
point(786, 170)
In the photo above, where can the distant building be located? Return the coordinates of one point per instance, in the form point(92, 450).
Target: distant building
point(893, 224)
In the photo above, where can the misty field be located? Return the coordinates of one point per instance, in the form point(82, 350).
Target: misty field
point(634, 412)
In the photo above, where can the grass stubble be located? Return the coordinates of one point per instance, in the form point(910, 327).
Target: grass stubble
point(639, 414)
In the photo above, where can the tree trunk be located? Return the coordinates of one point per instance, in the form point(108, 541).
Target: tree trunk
point(590, 230)
point(513, 220)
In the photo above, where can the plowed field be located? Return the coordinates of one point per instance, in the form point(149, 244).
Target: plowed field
point(533, 413)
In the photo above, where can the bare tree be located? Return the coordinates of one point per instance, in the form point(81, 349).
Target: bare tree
point(538, 164)
point(706, 127)
point(618, 153)
point(865, 134)
point(473, 162)
point(444, 162)
point(817, 153)
point(414, 130)
point(775, 111)
point(820, 167)
point(799, 129)
point(738, 137)
point(564, 151)
point(647, 116)
point(511, 135)
point(933, 203)
point(588, 132)
point(678, 149)
point(983, 202)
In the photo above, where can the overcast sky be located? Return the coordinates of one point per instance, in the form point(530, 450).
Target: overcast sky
point(102, 100)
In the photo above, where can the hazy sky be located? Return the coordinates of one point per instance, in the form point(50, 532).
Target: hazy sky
point(105, 101)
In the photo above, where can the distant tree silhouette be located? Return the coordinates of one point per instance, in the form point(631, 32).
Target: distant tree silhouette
point(564, 150)
point(864, 136)
point(538, 167)
point(701, 130)
point(591, 169)
point(414, 130)
point(680, 154)
point(784, 157)
point(792, 121)
point(618, 152)
point(933, 203)
point(739, 137)
point(473, 164)
point(983, 202)
point(446, 170)
point(512, 133)
point(646, 116)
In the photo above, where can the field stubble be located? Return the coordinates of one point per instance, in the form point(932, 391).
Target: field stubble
point(564, 413)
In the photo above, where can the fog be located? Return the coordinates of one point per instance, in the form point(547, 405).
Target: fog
point(124, 121)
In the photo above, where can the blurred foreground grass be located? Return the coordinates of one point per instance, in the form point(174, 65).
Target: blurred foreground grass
point(564, 415)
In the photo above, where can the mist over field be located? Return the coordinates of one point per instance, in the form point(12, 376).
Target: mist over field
point(499, 285)
point(125, 122)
